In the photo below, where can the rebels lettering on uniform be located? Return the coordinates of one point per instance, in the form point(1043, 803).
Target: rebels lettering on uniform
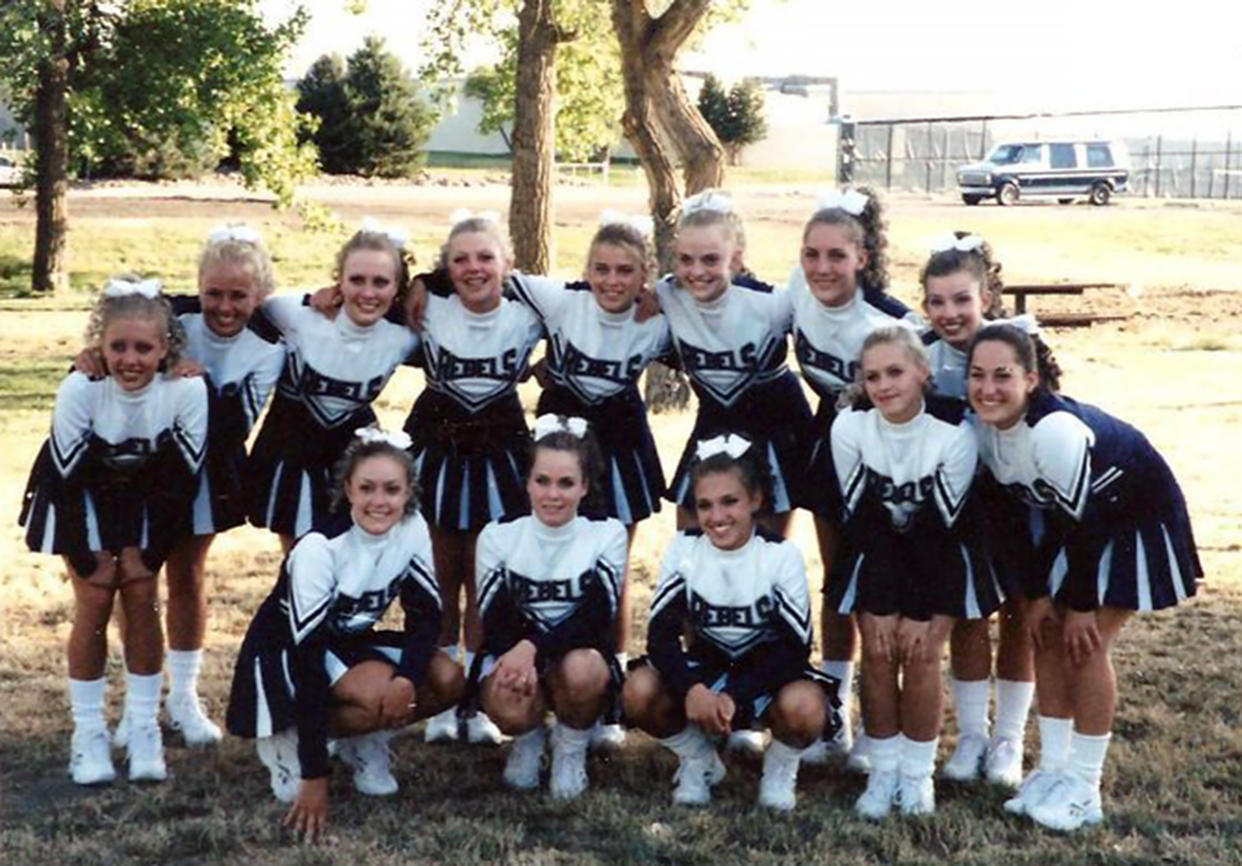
point(526, 590)
point(743, 360)
point(575, 363)
point(900, 494)
point(370, 605)
point(809, 356)
point(704, 614)
point(450, 366)
point(316, 384)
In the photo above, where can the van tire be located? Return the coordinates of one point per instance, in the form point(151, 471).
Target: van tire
point(972, 199)
point(1065, 201)
point(1008, 194)
point(1100, 194)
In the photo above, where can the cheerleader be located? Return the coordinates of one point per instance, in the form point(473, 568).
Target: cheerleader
point(910, 559)
point(313, 665)
point(836, 292)
point(1111, 536)
point(470, 441)
point(742, 593)
point(109, 492)
point(549, 586)
point(334, 369)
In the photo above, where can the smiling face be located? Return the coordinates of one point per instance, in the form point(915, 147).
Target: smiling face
point(133, 348)
point(477, 268)
point(893, 381)
point(954, 304)
point(832, 256)
point(555, 486)
point(368, 285)
point(378, 490)
point(616, 275)
point(702, 259)
point(726, 509)
point(999, 387)
point(228, 294)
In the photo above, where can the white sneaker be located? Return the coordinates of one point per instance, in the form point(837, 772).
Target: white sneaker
point(604, 737)
point(569, 775)
point(120, 737)
point(1031, 792)
point(90, 757)
point(859, 760)
point(187, 715)
point(1003, 762)
point(778, 785)
point(482, 730)
point(877, 800)
point(696, 776)
point(525, 756)
point(145, 749)
point(279, 753)
point(1069, 804)
point(748, 742)
point(369, 757)
point(967, 760)
point(442, 727)
point(916, 795)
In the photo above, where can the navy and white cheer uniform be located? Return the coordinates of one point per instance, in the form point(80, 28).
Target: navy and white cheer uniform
point(733, 351)
point(556, 586)
point(118, 469)
point(470, 438)
point(1111, 526)
point(333, 370)
point(319, 621)
point(240, 372)
point(748, 615)
point(594, 361)
point(828, 344)
point(912, 542)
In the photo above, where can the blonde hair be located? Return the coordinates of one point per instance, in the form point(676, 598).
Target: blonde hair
point(250, 255)
point(109, 308)
point(366, 239)
point(477, 225)
point(899, 335)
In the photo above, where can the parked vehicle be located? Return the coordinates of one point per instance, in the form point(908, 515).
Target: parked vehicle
point(10, 171)
point(1063, 170)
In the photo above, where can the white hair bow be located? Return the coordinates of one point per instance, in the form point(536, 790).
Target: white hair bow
point(708, 199)
point(119, 288)
point(641, 224)
point(950, 241)
point(728, 443)
point(851, 201)
point(462, 214)
point(233, 232)
point(394, 234)
point(546, 425)
point(1025, 323)
point(399, 439)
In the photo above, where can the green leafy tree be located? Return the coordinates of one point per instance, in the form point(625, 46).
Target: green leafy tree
point(737, 117)
point(714, 103)
point(391, 122)
point(321, 94)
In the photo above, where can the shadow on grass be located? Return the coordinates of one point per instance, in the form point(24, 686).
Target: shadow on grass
point(15, 275)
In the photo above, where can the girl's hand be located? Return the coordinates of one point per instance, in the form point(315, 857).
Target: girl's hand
point(398, 703)
point(1082, 635)
point(185, 369)
point(89, 362)
point(703, 708)
point(912, 639)
point(726, 708)
point(327, 301)
point(880, 635)
point(416, 305)
point(515, 670)
point(1036, 614)
point(308, 816)
point(646, 305)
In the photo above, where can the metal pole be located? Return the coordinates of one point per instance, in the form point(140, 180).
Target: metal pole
point(888, 168)
point(944, 159)
point(1159, 148)
point(1228, 154)
point(930, 156)
point(1194, 157)
point(983, 140)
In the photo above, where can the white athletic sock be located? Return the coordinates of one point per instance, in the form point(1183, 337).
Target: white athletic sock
point(183, 667)
point(970, 703)
point(142, 697)
point(86, 703)
point(783, 752)
point(885, 754)
point(843, 671)
point(1054, 743)
point(1013, 705)
point(1086, 756)
point(918, 757)
point(686, 743)
point(575, 739)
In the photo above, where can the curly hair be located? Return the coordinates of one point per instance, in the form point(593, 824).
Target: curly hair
point(250, 255)
point(1031, 352)
point(107, 309)
point(981, 263)
point(365, 239)
point(869, 230)
point(359, 450)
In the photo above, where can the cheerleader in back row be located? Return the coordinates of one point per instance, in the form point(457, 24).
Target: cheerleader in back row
point(549, 586)
point(313, 665)
point(742, 593)
point(334, 369)
point(470, 441)
point(910, 561)
point(109, 492)
point(1094, 522)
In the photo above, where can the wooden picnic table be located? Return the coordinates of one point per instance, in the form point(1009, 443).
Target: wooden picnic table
point(1021, 292)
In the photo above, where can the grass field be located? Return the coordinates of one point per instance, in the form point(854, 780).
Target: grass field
point(1173, 785)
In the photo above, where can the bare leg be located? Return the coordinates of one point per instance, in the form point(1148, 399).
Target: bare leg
point(650, 706)
point(880, 696)
point(473, 625)
point(840, 633)
point(970, 650)
point(93, 596)
point(578, 687)
point(1051, 677)
point(621, 628)
point(1093, 684)
point(449, 555)
point(186, 617)
point(796, 716)
point(513, 713)
point(140, 599)
point(922, 694)
point(1015, 655)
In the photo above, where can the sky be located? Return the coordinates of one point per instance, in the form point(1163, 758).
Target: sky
point(1073, 53)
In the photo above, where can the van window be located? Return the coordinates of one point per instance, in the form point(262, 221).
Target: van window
point(1031, 154)
point(1099, 156)
point(1062, 156)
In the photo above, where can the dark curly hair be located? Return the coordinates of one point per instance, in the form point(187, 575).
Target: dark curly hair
point(980, 262)
point(1031, 352)
point(869, 230)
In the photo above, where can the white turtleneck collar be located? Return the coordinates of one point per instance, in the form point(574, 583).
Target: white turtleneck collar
point(554, 533)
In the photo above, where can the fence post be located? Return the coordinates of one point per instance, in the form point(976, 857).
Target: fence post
point(1159, 161)
point(944, 160)
point(1194, 156)
point(983, 140)
point(1228, 154)
point(888, 168)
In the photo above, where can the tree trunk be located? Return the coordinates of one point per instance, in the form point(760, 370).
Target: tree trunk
point(533, 141)
point(51, 129)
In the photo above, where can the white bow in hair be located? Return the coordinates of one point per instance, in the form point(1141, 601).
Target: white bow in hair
point(851, 201)
point(641, 224)
point(546, 425)
point(708, 199)
point(728, 443)
point(399, 440)
point(462, 214)
point(394, 234)
point(233, 232)
point(950, 241)
point(1025, 323)
point(119, 288)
